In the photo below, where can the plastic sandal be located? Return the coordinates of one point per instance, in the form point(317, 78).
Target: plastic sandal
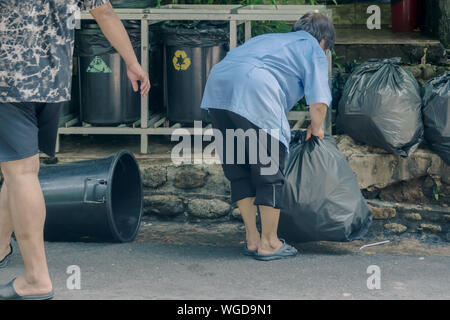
point(248, 252)
point(5, 260)
point(286, 251)
point(7, 292)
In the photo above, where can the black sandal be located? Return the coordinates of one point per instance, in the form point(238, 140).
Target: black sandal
point(5, 260)
point(286, 251)
point(7, 292)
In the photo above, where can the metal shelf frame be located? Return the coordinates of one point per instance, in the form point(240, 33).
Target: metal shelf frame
point(235, 14)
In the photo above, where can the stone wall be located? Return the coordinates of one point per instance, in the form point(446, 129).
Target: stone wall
point(401, 191)
point(380, 175)
point(376, 168)
point(408, 196)
point(185, 192)
point(427, 222)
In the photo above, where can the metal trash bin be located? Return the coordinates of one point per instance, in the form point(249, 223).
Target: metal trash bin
point(106, 94)
point(190, 52)
point(94, 200)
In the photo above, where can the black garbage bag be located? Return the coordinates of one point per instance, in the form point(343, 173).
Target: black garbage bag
point(436, 115)
point(90, 41)
point(134, 4)
point(195, 33)
point(381, 106)
point(323, 201)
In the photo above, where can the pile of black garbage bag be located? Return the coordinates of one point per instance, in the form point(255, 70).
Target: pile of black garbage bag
point(436, 115)
point(381, 105)
point(322, 197)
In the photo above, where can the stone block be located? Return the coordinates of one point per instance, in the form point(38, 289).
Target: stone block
point(412, 216)
point(377, 168)
point(190, 178)
point(163, 205)
point(382, 213)
point(433, 228)
point(154, 176)
point(236, 214)
point(395, 228)
point(208, 208)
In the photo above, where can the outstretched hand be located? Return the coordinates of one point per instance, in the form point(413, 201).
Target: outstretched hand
point(136, 73)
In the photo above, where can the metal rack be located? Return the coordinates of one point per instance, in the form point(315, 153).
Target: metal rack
point(157, 124)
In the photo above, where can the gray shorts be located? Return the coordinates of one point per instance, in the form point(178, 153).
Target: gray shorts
point(27, 128)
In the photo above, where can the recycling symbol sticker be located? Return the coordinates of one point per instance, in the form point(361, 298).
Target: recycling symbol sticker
point(181, 61)
point(97, 65)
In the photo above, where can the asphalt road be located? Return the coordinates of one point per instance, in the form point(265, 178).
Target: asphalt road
point(173, 271)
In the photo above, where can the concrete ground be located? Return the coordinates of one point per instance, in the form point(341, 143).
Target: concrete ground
point(172, 260)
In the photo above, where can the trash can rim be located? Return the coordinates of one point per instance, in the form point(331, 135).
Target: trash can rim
point(116, 157)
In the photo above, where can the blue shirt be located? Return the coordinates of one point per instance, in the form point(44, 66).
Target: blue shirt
point(264, 78)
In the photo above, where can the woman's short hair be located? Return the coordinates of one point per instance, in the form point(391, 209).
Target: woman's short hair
point(319, 26)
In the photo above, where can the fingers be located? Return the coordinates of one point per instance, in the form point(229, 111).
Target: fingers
point(308, 134)
point(322, 134)
point(145, 85)
point(135, 85)
point(145, 88)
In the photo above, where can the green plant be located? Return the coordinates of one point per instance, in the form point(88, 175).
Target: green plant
point(314, 2)
point(437, 193)
point(335, 58)
point(301, 106)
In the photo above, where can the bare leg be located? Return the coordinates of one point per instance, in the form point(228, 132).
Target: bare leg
point(6, 227)
point(27, 207)
point(248, 213)
point(269, 224)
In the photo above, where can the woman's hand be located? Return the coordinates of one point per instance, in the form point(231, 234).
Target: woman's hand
point(319, 133)
point(136, 73)
point(318, 112)
point(116, 34)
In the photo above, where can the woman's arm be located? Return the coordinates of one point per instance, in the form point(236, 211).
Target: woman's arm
point(318, 112)
point(116, 34)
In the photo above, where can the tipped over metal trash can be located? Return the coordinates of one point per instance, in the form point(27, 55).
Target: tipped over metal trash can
point(93, 200)
point(106, 93)
point(190, 52)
